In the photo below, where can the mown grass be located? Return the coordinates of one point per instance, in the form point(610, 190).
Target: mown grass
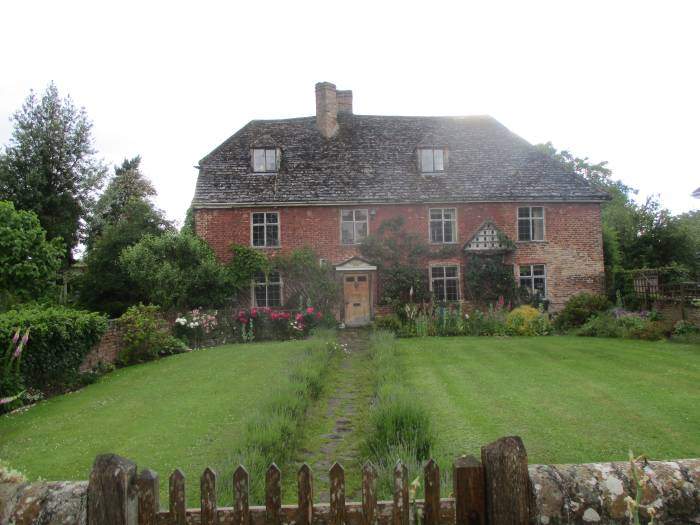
point(571, 399)
point(189, 411)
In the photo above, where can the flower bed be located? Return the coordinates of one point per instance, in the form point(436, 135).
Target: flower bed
point(199, 328)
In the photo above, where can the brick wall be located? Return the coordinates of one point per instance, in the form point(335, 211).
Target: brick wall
point(106, 351)
point(572, 249)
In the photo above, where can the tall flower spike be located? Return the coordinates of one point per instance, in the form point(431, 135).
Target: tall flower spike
point(15, 338)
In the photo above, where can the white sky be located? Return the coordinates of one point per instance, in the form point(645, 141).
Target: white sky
point(613, 80)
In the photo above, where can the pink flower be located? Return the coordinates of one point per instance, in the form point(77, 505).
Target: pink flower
point(299, 317)
point(318, 315)
point(253, 312)
point(284, 315)
point(15, 338)
point(310, 310)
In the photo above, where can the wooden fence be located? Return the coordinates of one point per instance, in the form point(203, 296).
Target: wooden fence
point(494, 491)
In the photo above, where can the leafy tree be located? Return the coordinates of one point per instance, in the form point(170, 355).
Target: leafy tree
point(106, 286)
point(188, 226)
point(50, 167)
point(399, 257)
point(177, 270)
point(127, 185)
point(486, 279)
point(245, 264)
point(28, 262)
point(307, 281)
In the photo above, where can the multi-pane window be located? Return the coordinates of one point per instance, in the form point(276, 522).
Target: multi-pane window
point(443, 225)
point(267, 290)
point(534, 278)
point(353, 226)
point(431, 159)
point(265, 159)
point(531, 223)
point(444, 283)
point(266, 229)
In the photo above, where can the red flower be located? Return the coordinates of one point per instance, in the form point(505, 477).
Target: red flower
point(318, 315)
point(310, 310)
point(299, 317)
point(253, 312)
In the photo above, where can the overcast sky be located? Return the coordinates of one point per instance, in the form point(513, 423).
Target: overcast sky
point(613, 80)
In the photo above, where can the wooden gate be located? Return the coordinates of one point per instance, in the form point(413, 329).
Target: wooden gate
point(494, 491)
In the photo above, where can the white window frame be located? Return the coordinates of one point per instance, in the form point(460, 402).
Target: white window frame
point(266, 284)
point(265, 224)
point(444, 279)
point(419, 152)
point(442, 220)
point(532, 277)
point(354, 225)
point(531, 220)
point(266, 150)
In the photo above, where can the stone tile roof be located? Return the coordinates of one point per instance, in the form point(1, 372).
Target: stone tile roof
point(373, 159)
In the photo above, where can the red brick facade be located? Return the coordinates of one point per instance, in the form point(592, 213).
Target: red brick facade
point(572, 249)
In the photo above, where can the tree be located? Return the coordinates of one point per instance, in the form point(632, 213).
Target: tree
point(127, 185)
point(106, 286)
point(177, 270)
point(28, 262)
point(50, 167)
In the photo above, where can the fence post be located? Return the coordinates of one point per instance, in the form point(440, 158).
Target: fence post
point(112, 492)
point(470, 498)
point(508, 491)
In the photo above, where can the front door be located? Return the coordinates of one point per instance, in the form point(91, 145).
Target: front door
point(356, 294)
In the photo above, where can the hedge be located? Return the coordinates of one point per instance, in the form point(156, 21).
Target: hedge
point(59, 339)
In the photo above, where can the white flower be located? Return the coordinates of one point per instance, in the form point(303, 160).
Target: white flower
point(181, 321)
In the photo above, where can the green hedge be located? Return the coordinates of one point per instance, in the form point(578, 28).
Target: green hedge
point(59, 340)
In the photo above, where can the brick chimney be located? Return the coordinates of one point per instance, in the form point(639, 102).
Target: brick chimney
point(344, 98)
point(326, 109)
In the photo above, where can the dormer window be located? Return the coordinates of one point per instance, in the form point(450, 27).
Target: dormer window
point(431, 160)
point(265, 160)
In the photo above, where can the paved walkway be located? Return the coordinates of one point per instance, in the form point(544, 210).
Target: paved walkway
point(336, 422)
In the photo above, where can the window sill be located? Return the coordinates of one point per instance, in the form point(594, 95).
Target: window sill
point(266, 247)
point(453, 243)
point(532, 242)
point(263, 172)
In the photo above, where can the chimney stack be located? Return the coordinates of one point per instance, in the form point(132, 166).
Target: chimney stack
point(344, 98)
point(326, 109)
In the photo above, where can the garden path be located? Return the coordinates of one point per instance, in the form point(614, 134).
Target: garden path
point(335, 424)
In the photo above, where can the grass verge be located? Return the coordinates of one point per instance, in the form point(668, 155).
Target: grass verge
point(274, 433)
point(400, 426)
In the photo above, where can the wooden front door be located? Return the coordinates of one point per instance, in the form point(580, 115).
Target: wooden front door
point(356, 295)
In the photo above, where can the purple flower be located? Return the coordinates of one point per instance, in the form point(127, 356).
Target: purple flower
point(16, 336)
point(25, 337)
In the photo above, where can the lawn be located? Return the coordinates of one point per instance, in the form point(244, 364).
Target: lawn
point(571, 399)
point(185, 411)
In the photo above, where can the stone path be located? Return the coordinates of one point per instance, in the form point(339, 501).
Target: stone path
point(336, 422)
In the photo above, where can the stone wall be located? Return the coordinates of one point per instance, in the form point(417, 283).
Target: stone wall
point(572, 249)
point(44, 503)
point(596, 493)
point(106, 351)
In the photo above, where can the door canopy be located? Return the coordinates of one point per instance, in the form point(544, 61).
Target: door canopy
point(355, 264)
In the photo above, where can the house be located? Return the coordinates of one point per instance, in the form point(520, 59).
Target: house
point(329, 180)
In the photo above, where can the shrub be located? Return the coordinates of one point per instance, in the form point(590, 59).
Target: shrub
point(650, 331)
point(493, 322)
point(685, 328)
point(11, 384)
point(601, 325)
point(390, 323)
point(579, 309)
point(526, 320)
point(59, 340)
point(145, 336)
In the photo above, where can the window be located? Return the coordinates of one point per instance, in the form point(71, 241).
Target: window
point(444, 283)
point(265, 160)
point(443, 225)
point(353, 226)
point(534, 278)
point(531, 223)
point(267, 290)
point(431, 159)
point(266, 230)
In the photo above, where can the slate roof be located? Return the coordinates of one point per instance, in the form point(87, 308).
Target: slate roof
point(373, 159)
